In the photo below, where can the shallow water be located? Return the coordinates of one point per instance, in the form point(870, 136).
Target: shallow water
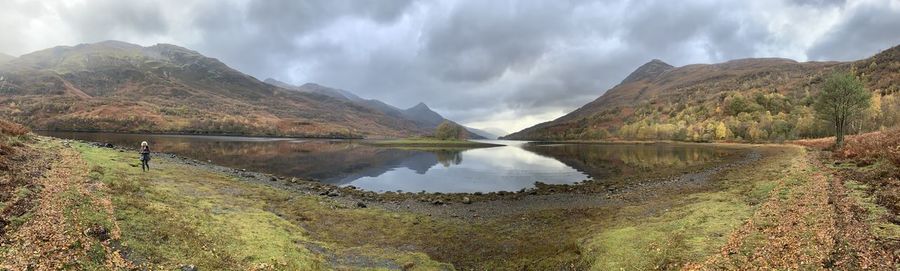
point(511, 167)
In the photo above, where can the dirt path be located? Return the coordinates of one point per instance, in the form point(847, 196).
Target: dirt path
point(54, 238)
point(808, 223)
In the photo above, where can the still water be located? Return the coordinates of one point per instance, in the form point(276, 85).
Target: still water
point(514, 166)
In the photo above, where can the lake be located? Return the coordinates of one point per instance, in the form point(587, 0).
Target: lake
point(511, 167)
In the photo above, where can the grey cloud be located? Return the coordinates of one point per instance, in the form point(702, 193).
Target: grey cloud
point(481, 40)
point(866, 31)
point(819, 3)
point(99, 20)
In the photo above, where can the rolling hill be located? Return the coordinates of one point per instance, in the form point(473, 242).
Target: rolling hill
point(122, 87)
point(761, 99)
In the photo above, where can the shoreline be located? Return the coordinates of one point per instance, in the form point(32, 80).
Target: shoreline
point(576, 193)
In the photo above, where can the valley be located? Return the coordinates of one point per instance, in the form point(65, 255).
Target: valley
point(741, 164)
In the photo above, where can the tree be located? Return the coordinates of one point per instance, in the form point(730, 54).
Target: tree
point(842, 98)
point(722, 131)
point(448, 130)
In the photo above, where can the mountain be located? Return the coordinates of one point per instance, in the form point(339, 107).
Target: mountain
point(122, 87)
point(755, 99)
point(318, 89)
point(421, 115)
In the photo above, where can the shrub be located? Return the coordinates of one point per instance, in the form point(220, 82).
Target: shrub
point(12, 129)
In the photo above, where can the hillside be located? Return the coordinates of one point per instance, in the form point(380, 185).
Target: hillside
point(116, 86)
point(763, 99)
point(421, 115)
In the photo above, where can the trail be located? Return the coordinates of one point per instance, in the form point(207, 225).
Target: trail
point(54, 238)
point(808, 223)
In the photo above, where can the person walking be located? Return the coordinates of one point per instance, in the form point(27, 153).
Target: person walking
point(145, 156)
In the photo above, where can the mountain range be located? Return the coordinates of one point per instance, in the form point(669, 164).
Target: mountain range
point(121, 87)
point(420, 114)
point(745, 99)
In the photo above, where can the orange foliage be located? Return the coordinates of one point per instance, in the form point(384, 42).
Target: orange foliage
point(872, 146)
point(12, 129)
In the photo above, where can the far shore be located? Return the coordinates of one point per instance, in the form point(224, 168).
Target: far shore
point(430, 143)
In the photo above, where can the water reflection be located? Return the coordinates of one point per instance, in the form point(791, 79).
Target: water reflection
point(605, 160)
point(341, 162)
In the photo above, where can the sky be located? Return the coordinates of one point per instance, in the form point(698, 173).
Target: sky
point(500, 65)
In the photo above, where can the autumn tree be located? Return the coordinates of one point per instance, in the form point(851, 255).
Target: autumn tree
point(448, 130)
point(842, 98)
point(722, 131)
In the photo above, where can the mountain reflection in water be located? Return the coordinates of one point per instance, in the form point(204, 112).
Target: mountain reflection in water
point(342, 162)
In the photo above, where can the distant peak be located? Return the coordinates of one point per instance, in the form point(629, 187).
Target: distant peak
point(420, 105)
point(656, 61)
point(647, 71)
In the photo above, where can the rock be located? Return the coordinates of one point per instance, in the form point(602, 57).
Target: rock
point(437, 202)
point(466, 200)
point(272, 179)
point(108, 145)
point(188, 267)
point(97, 231)
point(360, 204)
point(333, 193)
point(294, 180)
point(408, 265)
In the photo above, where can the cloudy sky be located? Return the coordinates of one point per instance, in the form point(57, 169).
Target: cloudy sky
point(489, 64)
